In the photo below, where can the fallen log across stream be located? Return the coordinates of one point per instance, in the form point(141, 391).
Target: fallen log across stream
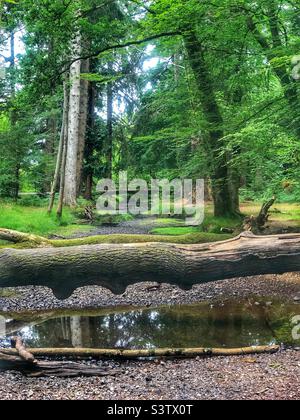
point(116, 266)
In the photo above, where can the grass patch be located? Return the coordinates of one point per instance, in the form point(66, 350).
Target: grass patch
point(211, 225)
point(174, 231)
point(167, 222)
point(36, 220)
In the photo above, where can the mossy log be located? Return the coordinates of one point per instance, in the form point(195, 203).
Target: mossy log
point(29, 241)
point(20, 237)
point(116, 266)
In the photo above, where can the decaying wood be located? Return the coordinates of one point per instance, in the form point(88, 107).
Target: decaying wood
point(22, 352)
point(257, 224)
point(22, 359)
point(53, 368)
point(89, 213)
point(19, 237)
point(116, 266)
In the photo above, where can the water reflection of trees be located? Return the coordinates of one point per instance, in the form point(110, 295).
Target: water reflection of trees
point(186, 326)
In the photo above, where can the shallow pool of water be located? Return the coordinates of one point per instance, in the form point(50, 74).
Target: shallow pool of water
point(250, 322)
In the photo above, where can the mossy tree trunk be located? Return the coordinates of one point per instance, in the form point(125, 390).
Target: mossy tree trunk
point(224, 203)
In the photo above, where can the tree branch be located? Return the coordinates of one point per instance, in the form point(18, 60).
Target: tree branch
point(121, 46)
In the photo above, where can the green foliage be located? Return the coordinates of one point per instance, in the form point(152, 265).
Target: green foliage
point(160, 129)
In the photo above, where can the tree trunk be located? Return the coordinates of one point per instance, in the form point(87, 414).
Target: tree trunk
point(109, 154)
point(17, 182)
point(116, 266)
point(49, 151)
point(211, 111)
point(84, 99)
point(88, 193)
point(70, 190)
point(61, 146)
point(91, 142)
point(64, 153)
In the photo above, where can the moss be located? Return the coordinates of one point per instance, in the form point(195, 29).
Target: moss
point(192, 238)
point(8, 293)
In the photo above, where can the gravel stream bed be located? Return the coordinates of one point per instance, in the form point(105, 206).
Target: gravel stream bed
point(274, 376)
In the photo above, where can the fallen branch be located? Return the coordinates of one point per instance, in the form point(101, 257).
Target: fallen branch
point(23, 360)
point(22, 352)
point(83, 353)
point(116, 266)
point(20, 237)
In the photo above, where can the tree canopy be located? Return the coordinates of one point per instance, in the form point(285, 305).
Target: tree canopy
point(161, 88)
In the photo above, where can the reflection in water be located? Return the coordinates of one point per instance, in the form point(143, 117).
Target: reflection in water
point(235, 324)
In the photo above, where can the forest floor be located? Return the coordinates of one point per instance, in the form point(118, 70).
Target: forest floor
point(275, 376)
point(260, 377)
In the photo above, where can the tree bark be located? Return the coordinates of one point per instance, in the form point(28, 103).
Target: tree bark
point(218, 161)
point(20, 237)
point(116, 266)
point(84, 99)
point(109, 154)
point(83, 353)
point(90, 141)
point(64, 157)
point(70, 190)
point(61, 146)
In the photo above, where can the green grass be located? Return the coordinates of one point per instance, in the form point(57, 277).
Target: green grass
point(36, 220)
point(211, 225)
point(174, 231)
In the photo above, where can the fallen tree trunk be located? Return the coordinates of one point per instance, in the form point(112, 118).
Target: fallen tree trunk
point(117, 266)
